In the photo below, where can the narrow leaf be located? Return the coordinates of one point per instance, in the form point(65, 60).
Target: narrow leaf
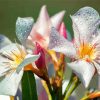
point(29, 91)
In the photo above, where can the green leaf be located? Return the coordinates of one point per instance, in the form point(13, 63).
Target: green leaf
point(29, 91)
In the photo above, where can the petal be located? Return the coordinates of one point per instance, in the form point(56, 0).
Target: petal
point(13, 47)
point(28, 59)
point(9, 84)
point(3, 66)
point(57, 19)
point(42, 24)
point(62, 30)
point(6, 57)
point(59, 44)
point(3, 97)
point(96, 38)
point(23, 28)
point(4, 41)
point(65, 83)
point(83, 70)
point(40, 63)
point(84, 22)
point(97, 66)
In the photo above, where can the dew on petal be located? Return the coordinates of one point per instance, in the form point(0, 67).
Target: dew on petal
point(23, 28)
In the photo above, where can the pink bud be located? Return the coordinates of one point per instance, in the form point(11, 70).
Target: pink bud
point(40, 63)
point(62, 30)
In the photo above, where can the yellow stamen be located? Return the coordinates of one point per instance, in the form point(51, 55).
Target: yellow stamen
point(17, 57)
point(86, 51)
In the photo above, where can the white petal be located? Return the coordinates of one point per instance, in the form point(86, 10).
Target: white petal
point(97, 66)
point(59, 44)
point(65, 83)
point(6, 58)
point(28, 59)
point(10, 48)
point(83, 70)
point(96, 39)
point(23, 28)
point(3, 97)
point(84, 22)
point(9, 84)
point(56, 20)
point(4, 68)
point(4, 41)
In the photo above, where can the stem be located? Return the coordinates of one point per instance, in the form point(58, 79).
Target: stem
point(72, 88)
point(69, 84)
point(47, 89)
point(85, 98)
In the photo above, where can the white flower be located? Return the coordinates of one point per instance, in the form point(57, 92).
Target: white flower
point(13, 58)
point(86, 48)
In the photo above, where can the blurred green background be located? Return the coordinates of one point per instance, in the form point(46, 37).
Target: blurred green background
point(11, 9)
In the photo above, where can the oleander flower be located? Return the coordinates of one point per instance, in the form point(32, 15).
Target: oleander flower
point(85, 50)
point(28, 33)
point(13, 58)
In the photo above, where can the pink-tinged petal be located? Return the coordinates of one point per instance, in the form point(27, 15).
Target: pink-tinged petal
point(41, 29)
point(37, 37)
point(57, 19)
point(42, 40)
point(83, 70)
point(84, 22)
point(97, 66)
point(42, 24)
point(62, 30)
point(59, 44)
point(40, 63)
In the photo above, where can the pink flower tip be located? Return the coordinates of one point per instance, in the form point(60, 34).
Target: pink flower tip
point(62, 30)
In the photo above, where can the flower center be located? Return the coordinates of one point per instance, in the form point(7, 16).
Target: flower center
point(15, 57)
point(86, 52)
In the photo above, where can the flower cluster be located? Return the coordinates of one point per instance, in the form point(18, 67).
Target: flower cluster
point(45, 43)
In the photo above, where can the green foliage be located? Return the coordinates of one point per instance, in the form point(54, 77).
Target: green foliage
point(29, 86)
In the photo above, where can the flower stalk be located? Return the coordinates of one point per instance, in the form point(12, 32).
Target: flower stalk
point(71, 86)
point(47, 88)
